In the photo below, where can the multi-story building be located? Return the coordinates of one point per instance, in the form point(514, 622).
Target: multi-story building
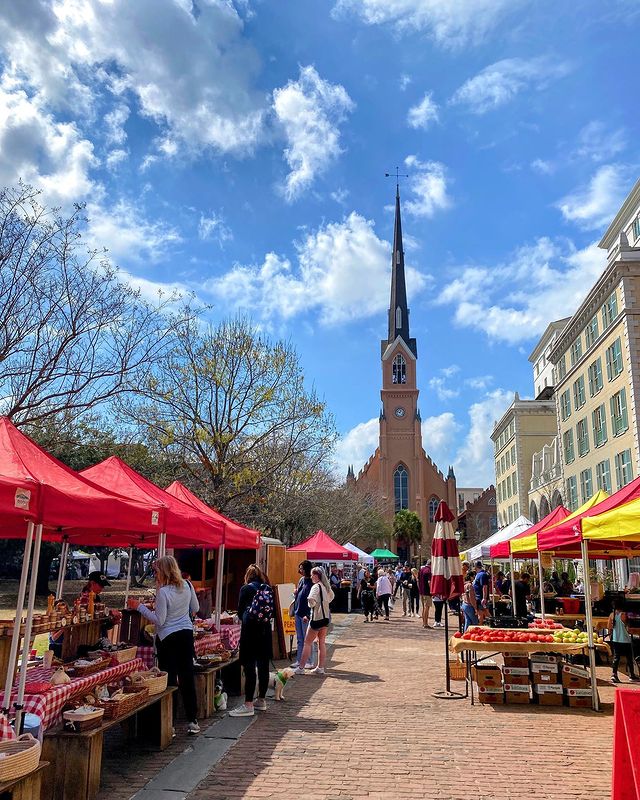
point(467, 496)
point(539, 358)
point(597, 370)
point(525, 427)
point(546, 487)
point(478, 519)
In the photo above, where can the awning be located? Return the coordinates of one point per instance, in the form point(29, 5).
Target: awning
point(504, 549)
point(483, 550)
point(381, 554)
point(236, 536)
point(362, 555)
point(564, 532)
point(321, 547)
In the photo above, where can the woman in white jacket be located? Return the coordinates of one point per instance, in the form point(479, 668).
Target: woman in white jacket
point(320, 596)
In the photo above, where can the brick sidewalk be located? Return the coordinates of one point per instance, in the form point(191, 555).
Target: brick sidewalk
point(371, 730)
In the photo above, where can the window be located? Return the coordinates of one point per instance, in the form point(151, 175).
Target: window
point(635, 228)
point(562, 368)
point(398, 317)
point(399, 369)
point(576, 351)
point(569, 454)
point(586, 485)
point(499, 492)
point(613, 358)
point(572, 493)
point(599, 426)
point(433, 507)
point(609, 311)
point(514, 482)
point(624, 472)
point(603, 476)
point(591, 332)
point(513, 454)
point(578, 393)
point(582, 435)
point(595, 377)
point(619, 420)
point(508, 485)
point(401, 488)
point(565, 405)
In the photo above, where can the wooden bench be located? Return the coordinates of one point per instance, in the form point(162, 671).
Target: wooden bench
point(77, 757)
point(25, 788)
point(205, 689)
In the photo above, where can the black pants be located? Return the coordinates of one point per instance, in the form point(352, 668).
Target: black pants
point(383, 601)
point(414, 603)
point(623, 649)
point(438, 605)
point(175, 657)
point(261, 662)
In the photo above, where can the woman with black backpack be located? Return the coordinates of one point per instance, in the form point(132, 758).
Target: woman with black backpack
point(255, 609)
point(320, 596)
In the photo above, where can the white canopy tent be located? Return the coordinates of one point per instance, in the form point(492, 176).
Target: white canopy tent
point(483, 550)
point(362, 556)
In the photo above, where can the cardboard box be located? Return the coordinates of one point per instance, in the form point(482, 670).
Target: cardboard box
point(540, 668)
point(516, 675)
point(550, 694)
point(491, 694)
point(516, 660)
point(575, 677)
point(546, 658)
point(579, 698)
point(516, 694)
point(487, 675)
point(545, 678)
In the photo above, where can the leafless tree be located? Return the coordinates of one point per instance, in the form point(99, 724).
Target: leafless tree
point(72, 336)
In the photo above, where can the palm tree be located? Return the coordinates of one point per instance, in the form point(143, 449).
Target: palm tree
point(407, 525)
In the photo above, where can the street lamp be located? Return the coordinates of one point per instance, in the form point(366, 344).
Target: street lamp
point(457, 534)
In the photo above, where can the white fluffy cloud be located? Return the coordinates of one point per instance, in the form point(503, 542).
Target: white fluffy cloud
point(355, 447)
point(594, 206)
point(514, 302)
point(499, 83)
point(214, 228)
point(423, 113)
point(310, 111)
point(342, 274)
point(474, 465)
point(427, 186)
point(451, 23)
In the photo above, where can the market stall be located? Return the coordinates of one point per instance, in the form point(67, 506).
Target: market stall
point(384, 556)
point(482, 550)
point(363, 556)
point(323, 549)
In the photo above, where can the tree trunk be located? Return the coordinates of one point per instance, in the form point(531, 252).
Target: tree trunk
point(48, 552)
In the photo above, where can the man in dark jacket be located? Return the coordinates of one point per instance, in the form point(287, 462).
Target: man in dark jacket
point(302, 612)
point(424, 588)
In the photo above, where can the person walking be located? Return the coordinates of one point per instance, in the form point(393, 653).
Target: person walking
point(383, 593)
point(414, 594)
point(302, 612)
point(175, 601)
point(424, 587)
point(320, 597)
point(438, 605)
point(481, 587)
point(405, 582)
point(469, 607)
point(255, 609)
point(367, 596)
point(621, 642)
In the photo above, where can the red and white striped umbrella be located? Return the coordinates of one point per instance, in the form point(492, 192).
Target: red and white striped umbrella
point(446, 569)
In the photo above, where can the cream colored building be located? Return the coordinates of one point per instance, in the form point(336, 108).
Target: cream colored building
point(546, 486)
point(540, 362)
point(597, 370)
point(525, 427)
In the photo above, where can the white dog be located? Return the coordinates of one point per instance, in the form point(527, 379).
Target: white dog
point(278, 680)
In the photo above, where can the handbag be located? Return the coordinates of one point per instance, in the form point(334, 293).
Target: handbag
point(316, 624)
point(292, 609)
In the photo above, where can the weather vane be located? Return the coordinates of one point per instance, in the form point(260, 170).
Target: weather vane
point(398, 176)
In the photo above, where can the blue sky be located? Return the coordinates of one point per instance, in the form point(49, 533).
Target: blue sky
point(237, 150)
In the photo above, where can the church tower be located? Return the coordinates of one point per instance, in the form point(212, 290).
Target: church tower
point(406, 476)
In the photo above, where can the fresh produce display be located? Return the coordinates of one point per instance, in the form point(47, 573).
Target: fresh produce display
point(545, 625)
point(503, 635)
point(575, 636)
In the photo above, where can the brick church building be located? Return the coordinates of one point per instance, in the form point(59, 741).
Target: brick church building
point(400, 469)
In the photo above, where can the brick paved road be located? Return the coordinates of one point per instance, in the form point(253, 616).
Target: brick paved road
point(371, 729)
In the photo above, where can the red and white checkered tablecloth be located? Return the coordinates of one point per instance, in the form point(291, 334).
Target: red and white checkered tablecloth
point(230, 635)
point(48, 706)
point(203, 645)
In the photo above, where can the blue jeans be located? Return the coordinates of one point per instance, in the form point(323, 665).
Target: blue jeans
point(470, 616)
point(301, 632)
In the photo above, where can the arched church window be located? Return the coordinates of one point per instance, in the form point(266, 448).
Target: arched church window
point(433, 507)
point(399, 369)
point(398, 317)
point(401, 487)
point(533, 513)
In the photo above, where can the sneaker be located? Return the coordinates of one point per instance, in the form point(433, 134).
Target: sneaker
point(386, 619)
point(242, 711)
point(366, 619)
point(317, 671)
point(438, 625)
point(299, 671)
point(295, 665)
point(193, 728)
point(615, 679)
point(260, 704)
point(173, 733)
point(404, 613)
point(634, 678)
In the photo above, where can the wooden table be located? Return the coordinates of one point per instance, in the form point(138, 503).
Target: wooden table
point(26, 788)
point(205, 689)
point(77, 757)
point(599, 623)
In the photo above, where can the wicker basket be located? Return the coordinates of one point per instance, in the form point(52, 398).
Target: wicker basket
point(457, 671)
point(90, 669)
point(134, 697)
point(122, 656)
point(83, 722)
point(21, 756)
point(157, 684)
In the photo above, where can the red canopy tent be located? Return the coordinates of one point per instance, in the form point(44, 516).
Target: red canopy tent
point(321, 547)
point(236, 536)
point(183, 525)
point(501, 550)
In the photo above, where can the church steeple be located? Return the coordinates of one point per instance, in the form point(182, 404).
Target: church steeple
point(398, 310)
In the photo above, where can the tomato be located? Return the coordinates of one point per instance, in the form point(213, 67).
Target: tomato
point(457, 635)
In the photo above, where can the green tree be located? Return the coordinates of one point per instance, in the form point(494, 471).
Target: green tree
point(407, 527)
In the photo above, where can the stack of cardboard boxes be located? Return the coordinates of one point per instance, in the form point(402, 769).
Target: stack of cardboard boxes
point(542, 677)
